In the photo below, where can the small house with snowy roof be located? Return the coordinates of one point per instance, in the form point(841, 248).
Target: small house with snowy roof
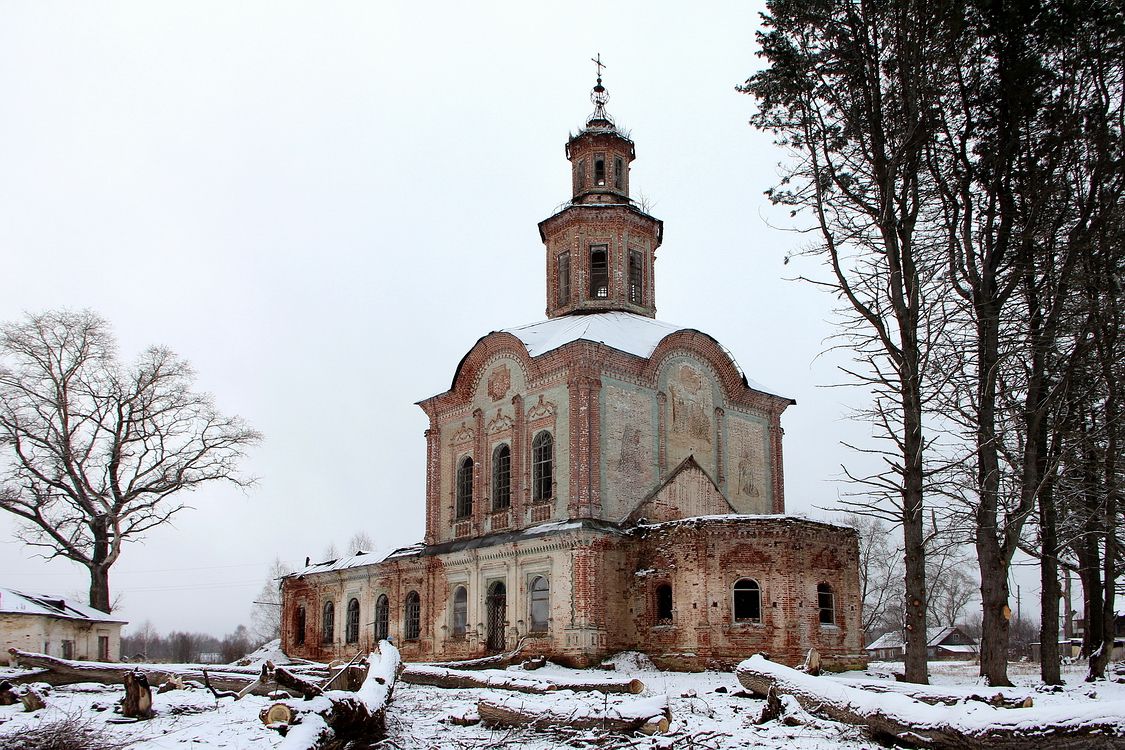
point(596, 482)
point(57, 626)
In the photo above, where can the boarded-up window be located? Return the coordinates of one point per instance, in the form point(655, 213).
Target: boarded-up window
point(501, 477)
point(382, 617)
point(636, 277)
point(460, 611)
point(351, 632)
point(599, 271)
point(562, 288)
point(747, 601)
point(542, 467)
point(540, 604)
point(465, 488)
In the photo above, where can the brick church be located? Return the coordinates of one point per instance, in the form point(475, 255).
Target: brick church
point(596, 482)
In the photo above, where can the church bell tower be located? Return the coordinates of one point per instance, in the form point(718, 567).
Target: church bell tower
point(601, 247)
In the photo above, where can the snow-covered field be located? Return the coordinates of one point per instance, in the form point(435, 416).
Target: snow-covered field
point(709, 712)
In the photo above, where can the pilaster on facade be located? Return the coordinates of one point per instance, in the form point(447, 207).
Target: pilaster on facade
point(433, 484)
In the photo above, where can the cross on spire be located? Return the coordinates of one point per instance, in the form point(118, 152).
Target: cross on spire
point(598, 61)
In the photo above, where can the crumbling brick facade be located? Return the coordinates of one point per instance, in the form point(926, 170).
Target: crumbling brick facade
point(597, 482)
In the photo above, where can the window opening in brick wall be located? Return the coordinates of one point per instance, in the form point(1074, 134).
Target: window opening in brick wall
point(599, 271)
point(664, 604)
point(382, 617)
point(496, 616)
point(299, 626)
point(747, 601)
point(540, 604)
point(562, 287)
point(413, 617)
point(599, 170)
point(103, 648)
point(542, 467)
point(826, 600)
point(465, 488)
point(619, 173)
point(636, 277)
point(460, 611)
point(581, 176)
point(502, 477)
point(351, 629)
point(68, 649)
point(328, 623)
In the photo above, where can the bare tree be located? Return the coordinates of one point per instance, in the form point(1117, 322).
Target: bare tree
point(880, 576)
point(360, 542)
point(98, 453)
point(265, 613)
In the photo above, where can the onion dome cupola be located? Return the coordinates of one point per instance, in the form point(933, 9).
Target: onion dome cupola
point(601, 247)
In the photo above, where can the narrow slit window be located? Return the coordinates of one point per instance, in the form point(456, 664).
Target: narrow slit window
point(599, 170)
point(502, 477)
point(599, 271)
point(581, 179)
point(465, 488)
point(619, 173)
point(636, 277)
point(562, 288)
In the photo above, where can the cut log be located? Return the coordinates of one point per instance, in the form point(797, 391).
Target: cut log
point(8, 696)
point(138, 696)
point(535, 662)
point(426, 674)
point(966, 726)
point(334, 716)
point(620, 715)
point(32, 700)
point(485, 662)
point(68, 672)
point(305, 687)
point(277, 713)
point(175, 682)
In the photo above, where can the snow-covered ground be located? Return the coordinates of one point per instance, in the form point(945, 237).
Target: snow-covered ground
point(709, 708)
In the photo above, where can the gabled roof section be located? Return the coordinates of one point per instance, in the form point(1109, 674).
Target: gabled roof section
point(13, 602)
point(689, 464)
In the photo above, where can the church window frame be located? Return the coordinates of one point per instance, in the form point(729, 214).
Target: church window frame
point(746, 605)
point(663, 608)
point(599, 170)
point(382, 618)
point(351, 622)
point(299, 620)
point(501, 477)
point(412, 617)
point(636, 277)
point(539, 604)
point(562, 280)
point(460, 612)
point(599, 271)
point(328, 622)
point(581, 176)
point(618, 173)
point(543, 467)
point(464, 490)
point(826, 604)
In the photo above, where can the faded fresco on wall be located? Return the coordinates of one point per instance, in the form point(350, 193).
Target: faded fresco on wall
point(628, 448)
point(747, 475)
point(690, 415)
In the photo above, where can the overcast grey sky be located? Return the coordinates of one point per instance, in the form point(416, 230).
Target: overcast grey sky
point(324, 205)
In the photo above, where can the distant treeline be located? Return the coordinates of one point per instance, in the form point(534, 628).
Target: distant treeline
point(146, 644)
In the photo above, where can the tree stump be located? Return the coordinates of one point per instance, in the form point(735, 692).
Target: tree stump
point(138, 696)
point(32, 700)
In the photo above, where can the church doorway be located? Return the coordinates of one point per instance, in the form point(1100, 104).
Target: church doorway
point(496, 606)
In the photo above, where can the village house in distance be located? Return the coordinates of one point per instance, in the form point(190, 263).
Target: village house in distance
point(597, 482)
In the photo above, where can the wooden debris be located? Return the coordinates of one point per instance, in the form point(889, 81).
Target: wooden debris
point(217, 693)
point(535, 662)
point(772, 709)
point(174, 682)
point(905, 720)
point(32, 700)
point(623, 715)
point(444, 677)
point(305, 687)
point(811, 664)
point(485, 662)
point(277, 713)
point(8, 695)
point(138, 696)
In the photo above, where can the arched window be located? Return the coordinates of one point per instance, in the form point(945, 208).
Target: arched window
point(747, 601)
point(460, 611)
point(539, 604)
point(664, 604)
point(826, 601)
point(382, 618)
point(328, 623)
point(501, 477)
point(351, 630)
point(465, 488)
point(599, 271)
point(542, 466)
point(636, 277)
point(412, 625)
point(299, 626)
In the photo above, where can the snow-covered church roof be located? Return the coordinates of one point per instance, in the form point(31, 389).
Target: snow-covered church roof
point(14, 602)
point(627, 332)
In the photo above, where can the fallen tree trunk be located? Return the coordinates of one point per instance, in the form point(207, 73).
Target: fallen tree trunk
point(971, 725)
point(485, 662)
point(443, 677)
point(67, 672)
point(337, 716)
point(646, 715)
point(939, 696)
